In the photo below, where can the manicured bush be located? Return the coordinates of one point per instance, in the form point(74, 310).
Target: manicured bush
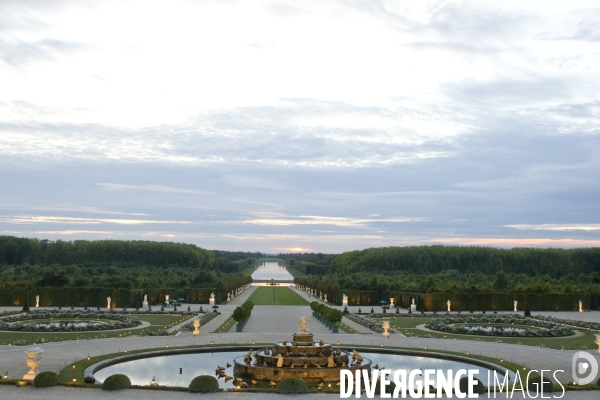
point(204, 384)
point(534, 384)
point(334, 316)
point(527, 311)
point(240, 314)
point(46, 379)
point(26, 306)
point(463, 384)
point(116, 382)
point(291, 386)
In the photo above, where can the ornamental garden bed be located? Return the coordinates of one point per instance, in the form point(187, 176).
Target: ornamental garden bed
point(498, 325)
point(67, 321)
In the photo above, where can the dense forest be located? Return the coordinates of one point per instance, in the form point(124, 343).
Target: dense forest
point(17, 251)
point(486, 260)
point(30, 264)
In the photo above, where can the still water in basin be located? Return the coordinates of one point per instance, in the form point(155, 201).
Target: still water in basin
point(165, 369)
point(272, 270)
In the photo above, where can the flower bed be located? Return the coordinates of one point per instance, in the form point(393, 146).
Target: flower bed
point(529, 327)
point(189, 326)
point(581, 324)
point(69, 321)
point(369, 323)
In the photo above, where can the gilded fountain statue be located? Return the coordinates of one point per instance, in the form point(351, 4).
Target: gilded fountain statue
point(314, 362)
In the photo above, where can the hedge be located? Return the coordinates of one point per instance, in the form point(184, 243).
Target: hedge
point(46, 379)
point(115, 382)
point(204, 384)
point(291, 386)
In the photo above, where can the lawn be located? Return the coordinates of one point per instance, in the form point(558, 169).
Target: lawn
point(296, 273)
point(248, 271)
point(276, 296)
point(157, 322)
point(225, 326)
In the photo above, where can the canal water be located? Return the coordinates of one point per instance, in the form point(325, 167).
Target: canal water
point(272, 270)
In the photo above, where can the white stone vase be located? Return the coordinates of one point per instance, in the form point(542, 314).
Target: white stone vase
point(33, 357)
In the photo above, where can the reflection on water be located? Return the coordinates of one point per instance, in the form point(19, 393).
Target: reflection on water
point(272, 270)
point(165, 369)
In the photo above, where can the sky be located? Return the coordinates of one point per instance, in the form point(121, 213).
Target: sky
point(286, 126)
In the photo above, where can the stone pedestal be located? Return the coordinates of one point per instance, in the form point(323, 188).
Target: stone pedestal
point(33, 361)
point(413, 308)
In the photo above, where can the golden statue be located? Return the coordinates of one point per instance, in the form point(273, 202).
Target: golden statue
point(248, 358)
point(279, 361)
point(330, 362)
point(302, 326)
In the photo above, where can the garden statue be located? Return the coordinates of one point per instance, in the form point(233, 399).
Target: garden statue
point(321, 296)
point(325, 297)
point(212, 299)
point(196, 328)
point(449, 304)
point(302, 325)
point(167, 298)
point(108, 302)
point(145, 302)
point(330, 361)
point(37, 301)
point(279, 361)
point(386, 327)
point(515, 303)
point(228, 296)
point(580, 306)
point(344, 300)
point(413, 301)
point(248, 357)
point(392, 305)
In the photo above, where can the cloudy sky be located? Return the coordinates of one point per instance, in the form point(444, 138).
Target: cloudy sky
point(285, 125)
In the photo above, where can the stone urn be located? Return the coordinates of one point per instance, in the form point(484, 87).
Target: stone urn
point(33, 361)
point(196, 324)
point(386, 327)
point(598, 341)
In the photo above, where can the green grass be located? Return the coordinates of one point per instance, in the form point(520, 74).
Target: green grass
point(225, 326)
point(283, 296)
point(346, 328)
point(296, 273)
point(248, 271)
point(404, 322)
point(157, 322)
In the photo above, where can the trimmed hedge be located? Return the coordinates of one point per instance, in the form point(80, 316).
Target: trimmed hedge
point(46, 379)
point(116, 382)
point(291, 386)
point(204, 384)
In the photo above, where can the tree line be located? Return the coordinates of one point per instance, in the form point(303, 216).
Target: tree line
point(469, 259)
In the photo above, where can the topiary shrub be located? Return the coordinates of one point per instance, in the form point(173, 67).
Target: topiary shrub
point(26, 306)
point(598, 383)
point(291, 386)
point(463, 385)
point(115, 382)
point(534, 384)
point(527, 311)
point(46, 379)
point(204, 384)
